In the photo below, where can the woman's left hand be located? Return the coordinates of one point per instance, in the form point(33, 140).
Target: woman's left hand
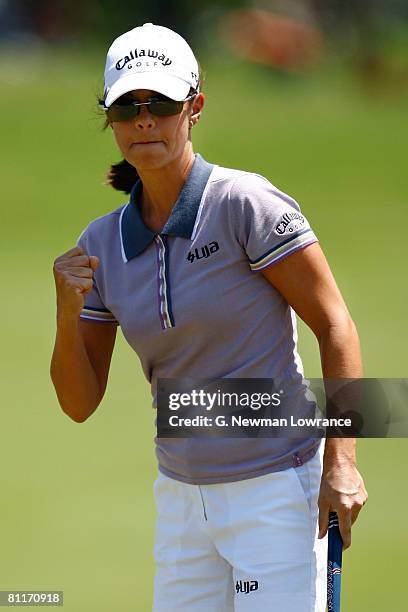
point(342, 490)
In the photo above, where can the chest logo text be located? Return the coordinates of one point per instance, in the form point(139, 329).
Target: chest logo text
point(246, 586)
point(203, 252)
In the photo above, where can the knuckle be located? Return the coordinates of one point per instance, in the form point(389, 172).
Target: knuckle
point(57, 263)
point(345, 503)
point(66, 275)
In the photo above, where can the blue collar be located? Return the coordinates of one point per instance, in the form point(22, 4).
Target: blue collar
point(136, 237)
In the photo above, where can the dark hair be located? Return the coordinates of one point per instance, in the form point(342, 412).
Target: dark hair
point(122, 175)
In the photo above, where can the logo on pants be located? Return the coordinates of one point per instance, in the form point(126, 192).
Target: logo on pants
point(245, 586)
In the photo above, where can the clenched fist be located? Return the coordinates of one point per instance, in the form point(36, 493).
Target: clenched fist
point(73, 274)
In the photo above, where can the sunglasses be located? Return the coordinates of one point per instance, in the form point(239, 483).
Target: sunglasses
point(160, 106)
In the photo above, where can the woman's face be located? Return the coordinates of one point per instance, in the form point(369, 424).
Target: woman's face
point(149, 142)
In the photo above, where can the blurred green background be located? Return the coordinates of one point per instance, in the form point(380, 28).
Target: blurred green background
point(76, 504)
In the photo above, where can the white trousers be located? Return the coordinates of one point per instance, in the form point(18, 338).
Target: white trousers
point(241, 546)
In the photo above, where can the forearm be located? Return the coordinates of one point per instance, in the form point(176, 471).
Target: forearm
point(340, 350)
point(72, 374)
point(342, 489)
point(340, 358)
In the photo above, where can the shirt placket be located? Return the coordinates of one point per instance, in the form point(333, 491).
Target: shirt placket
point(163, 282)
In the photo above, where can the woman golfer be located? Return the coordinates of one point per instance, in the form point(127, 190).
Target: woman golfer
point(203, 269)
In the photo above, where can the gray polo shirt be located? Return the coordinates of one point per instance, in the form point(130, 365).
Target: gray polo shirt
point(192, 303)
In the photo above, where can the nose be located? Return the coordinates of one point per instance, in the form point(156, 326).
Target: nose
point(144, 119)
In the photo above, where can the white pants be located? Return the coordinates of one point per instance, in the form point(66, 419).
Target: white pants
point(241, 546)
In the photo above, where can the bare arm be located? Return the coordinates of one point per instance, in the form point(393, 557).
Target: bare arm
point(83, 349)
point(80, 365)
point(306, 282)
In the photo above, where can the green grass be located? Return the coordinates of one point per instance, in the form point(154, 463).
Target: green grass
point(77, 511)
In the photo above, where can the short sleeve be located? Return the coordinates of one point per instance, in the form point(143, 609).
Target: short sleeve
point(268, 223)
point(94, 309)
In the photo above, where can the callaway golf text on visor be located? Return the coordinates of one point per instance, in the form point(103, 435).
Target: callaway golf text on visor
point(150, 57)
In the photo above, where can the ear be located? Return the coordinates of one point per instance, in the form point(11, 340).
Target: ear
point(196, 108)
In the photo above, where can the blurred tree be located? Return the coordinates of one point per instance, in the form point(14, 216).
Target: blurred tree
point(59, 20)
point(361, 29)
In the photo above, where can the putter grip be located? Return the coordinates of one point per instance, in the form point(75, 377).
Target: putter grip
point(334, 564)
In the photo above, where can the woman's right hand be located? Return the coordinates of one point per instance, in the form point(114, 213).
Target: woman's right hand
point(73, 274)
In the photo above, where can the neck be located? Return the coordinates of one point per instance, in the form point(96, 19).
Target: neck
point(161, 189)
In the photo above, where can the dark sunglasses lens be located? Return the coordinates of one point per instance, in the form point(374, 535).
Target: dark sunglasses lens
point(161, 108)
point(122, 112)
point(165, 108)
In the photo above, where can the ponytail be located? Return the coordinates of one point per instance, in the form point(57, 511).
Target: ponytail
point(122, 176)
